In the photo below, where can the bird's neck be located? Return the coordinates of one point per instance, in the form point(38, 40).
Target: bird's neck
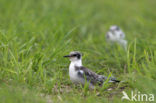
point(76, 63)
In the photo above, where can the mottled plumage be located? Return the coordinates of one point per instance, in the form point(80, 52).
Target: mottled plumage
point(79, 74)
point(116, 35)
point(90, 76)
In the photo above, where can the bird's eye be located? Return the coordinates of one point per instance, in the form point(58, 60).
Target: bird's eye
point(74, 55)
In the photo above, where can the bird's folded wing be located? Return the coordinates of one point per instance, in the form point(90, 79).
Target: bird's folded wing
point(88, 75)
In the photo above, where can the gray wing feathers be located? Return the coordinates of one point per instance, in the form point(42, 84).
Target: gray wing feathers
point(93, 77)
point(89, 75)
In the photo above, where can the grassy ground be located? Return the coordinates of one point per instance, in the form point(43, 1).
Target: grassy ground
point(36, 34)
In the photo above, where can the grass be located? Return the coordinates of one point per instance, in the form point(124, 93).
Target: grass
point(35, 35)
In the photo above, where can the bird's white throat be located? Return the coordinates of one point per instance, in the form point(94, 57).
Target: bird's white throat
point(72, 71)
point(76, 63)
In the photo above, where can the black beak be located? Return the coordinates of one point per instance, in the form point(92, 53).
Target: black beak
point(67, 56)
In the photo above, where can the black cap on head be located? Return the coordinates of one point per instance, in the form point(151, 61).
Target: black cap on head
point(74, 54)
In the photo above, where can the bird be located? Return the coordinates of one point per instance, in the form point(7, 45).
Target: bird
point(116, 35)
point(81, 75)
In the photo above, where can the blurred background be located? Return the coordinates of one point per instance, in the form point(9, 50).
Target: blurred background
point(36, 34)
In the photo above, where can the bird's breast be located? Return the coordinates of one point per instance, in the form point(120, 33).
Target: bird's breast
point(73, 74)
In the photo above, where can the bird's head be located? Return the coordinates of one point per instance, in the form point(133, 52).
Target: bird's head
point(74, 56)
point(115, 33)
point(114, 28)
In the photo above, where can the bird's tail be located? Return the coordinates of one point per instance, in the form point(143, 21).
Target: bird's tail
point(102, 78)
point(117, 81)
point(114, 80)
